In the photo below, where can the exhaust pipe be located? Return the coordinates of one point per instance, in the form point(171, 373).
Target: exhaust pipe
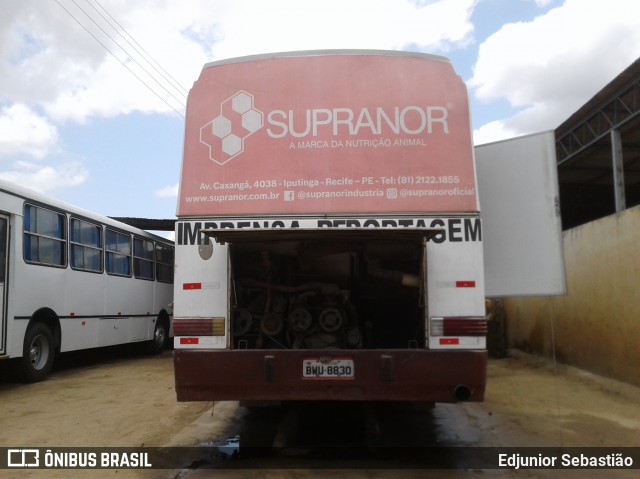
point(462, 392)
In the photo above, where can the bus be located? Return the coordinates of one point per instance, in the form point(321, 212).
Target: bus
point(330, 244)
point(72, 280)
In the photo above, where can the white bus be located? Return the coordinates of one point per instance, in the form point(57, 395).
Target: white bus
point(330, 244)
point(72, 280)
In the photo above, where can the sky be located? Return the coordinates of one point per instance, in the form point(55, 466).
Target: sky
point(92, 92)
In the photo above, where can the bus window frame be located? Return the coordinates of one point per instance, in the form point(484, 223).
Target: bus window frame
point(101, 248)
point(138, 259)
point(64, 240)
point(158, 263)
point(108, 251)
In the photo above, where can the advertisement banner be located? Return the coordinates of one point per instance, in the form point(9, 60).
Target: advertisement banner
point(335, 133)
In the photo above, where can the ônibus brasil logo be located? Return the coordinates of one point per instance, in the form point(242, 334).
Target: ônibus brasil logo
point(225, 134)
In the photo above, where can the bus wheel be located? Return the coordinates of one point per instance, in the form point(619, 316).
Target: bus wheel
point(160, 335)
point(38, 353)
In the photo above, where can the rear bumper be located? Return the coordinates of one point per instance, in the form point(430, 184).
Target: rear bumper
point(380, 375)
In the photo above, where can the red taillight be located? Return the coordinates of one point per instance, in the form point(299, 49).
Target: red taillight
point(199, 327)
point(465, 326)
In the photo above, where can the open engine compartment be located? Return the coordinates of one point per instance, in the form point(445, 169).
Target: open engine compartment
point(336, 293)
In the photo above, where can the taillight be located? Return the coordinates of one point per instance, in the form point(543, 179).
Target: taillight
point(199, 327)
point(458, 326)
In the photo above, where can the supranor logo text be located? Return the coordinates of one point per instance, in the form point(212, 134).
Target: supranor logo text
point(409, 120)
point(238, 119)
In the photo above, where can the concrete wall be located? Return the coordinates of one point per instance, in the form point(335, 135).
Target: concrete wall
point(597, 325)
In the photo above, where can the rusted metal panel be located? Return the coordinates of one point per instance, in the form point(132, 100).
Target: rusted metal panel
point(379, 375)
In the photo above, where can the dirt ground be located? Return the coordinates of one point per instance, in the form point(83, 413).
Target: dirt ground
point(557, 405)
point(122, 398)
point(117, 397)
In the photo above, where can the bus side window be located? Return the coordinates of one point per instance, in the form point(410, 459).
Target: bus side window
point(143, 258)
point(45, 240)
point(164, 263)
point(3, 249)
point(118, 253)
point(86, 246)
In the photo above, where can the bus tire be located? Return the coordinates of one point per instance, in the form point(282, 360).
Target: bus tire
point(38, 353)
point(160, 335)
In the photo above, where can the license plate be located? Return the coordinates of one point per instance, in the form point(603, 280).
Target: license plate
point(332, 368)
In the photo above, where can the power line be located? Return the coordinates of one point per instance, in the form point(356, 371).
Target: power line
point(140, 49)
point(119, 60)
point(127, 53)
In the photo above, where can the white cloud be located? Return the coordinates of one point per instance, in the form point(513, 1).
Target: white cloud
point(492, 131)
point(250, 27)
point(52, 55)
point(57, 61)
point(542, 3)
point(168, 192)
point(22, 131)
point(550, 66)
point(187, 34)
point(46, 179)
point(41, 52)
